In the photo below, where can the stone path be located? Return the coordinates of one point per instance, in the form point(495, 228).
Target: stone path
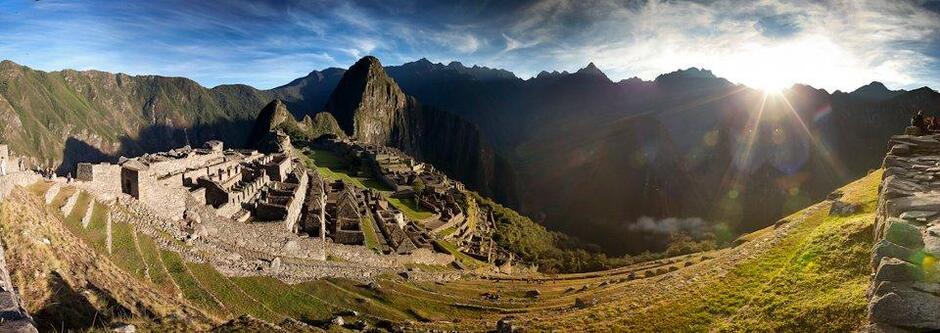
point(905, 290)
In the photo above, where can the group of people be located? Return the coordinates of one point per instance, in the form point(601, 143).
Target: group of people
point(926, 124)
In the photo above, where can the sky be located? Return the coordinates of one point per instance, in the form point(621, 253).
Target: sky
point(764, 43)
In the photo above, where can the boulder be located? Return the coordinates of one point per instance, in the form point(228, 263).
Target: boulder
point(17, 326)
point(835, 195)
point(124, 328)
point(582, 303)
point(841, 208)
point(276, 264)
point(534, 293)
point(338, 321)
point(507, 325)
point(348, 313)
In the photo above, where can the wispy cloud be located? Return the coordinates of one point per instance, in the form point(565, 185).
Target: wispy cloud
point(829, 44)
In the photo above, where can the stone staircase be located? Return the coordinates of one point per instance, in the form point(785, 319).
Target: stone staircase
point(905, 292)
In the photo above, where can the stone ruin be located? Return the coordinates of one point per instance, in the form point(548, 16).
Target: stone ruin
point(905, 288)
point(239, 184)
point(443, 197)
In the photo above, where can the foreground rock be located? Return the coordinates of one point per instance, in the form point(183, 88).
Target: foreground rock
point(905, 289)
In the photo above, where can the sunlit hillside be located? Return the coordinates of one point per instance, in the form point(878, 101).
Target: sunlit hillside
point(809, 272)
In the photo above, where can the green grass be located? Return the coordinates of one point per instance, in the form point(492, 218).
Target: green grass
point(345, 294)
point(447, 232)
point(94, 235)
point(123, 251)
point(230, 294)
point(151, 255)
point(371, 234)
point(813, 280)
point(409, 207)
point(283, 298)
point(188, 285)
point(334, 168)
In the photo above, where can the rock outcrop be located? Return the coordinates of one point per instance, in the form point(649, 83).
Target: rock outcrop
point(905, 289)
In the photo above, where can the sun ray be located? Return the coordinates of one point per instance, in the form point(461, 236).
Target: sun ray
point(840, 170)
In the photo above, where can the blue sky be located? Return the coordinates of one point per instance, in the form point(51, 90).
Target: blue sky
point(764, 43)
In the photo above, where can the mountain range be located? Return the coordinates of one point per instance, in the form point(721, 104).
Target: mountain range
point(620, 164)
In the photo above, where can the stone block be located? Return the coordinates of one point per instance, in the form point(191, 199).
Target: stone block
point(897, 206)
point(885, 248)
point(896, 304)
point(905, 234)
point(893, 269)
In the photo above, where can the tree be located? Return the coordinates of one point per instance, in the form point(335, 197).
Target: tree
point(418, 186)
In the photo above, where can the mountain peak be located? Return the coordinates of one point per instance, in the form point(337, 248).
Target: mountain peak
point(365, 96)
point(875, 91)
point(592, 70)
point(270, 117)
point(369, 61)
point(688, 73)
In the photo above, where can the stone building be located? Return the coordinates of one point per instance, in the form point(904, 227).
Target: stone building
point(239, 184)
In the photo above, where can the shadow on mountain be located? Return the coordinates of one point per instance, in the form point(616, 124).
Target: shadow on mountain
point(154, 139)
point(76, 151)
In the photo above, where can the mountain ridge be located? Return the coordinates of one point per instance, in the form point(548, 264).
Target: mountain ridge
point(527, 121)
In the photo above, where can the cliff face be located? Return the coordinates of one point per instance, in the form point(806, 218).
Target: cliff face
point(369, 106)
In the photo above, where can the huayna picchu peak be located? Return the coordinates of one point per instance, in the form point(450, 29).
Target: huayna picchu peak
point(521, 166)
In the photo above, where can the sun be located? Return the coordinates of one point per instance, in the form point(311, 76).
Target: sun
point(775, 66)
point(771, 84)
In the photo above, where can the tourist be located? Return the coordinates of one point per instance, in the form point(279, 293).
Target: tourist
point(920, 121)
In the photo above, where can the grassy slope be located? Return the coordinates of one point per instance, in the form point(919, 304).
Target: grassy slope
point(813, 280)
point(809, 275)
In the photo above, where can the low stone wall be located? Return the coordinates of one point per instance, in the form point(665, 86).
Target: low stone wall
point(22, 178)
point(905, 289)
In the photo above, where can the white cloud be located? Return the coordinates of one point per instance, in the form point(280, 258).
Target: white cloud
point(837, 45)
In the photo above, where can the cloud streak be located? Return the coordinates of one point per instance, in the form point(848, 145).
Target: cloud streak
point(830, 44)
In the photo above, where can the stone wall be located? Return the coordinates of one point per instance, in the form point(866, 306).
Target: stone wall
point(905, 290)
point(194, 160)
point(297, 203)
point(22, 178)
point(104, 178)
